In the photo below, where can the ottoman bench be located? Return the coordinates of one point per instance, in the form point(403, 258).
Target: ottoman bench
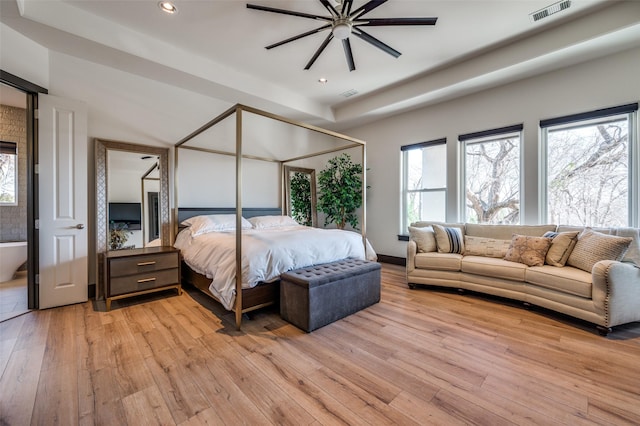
point(318, 295)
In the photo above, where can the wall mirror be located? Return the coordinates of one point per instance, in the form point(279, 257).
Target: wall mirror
point(132, 196)
point(301, 195)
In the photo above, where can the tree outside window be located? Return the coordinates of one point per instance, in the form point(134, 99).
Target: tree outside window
point(588, 172)
point(492, 177)
point(8, 173)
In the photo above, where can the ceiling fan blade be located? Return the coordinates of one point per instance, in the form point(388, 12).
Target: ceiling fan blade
point(348, 54)
point(374, 41)
point(366, 8)
point(287, 12)
point(332, 10)
point(299, 36)
point(378, 22)
point(346, 7)
point(319, 51)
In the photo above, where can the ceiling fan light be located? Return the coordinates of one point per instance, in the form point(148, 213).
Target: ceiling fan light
point(341, 30)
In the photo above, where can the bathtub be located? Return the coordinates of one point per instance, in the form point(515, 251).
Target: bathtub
point(12, 255)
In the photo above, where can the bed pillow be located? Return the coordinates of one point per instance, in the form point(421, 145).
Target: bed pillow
point(204, 224)
point(264, 222)
point(449, 239)
point(425, 238)
point(562, 244)
point(486, 247)
point(532, 251)
point(593, 247)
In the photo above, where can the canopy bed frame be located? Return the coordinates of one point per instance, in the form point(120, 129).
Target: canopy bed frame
point(318, 142)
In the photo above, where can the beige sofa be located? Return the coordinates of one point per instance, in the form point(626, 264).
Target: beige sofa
point(607, 295)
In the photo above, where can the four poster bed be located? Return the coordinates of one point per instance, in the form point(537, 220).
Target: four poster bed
point(261, 243)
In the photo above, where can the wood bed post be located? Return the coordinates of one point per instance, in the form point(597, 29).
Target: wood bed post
point(238, 303)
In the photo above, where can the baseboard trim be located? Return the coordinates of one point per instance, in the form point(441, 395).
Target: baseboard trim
point(394, 260)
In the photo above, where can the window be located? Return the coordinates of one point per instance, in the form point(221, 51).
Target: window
point(491, 175)
point(424, 182)
point(8, 173)
point(589, 168)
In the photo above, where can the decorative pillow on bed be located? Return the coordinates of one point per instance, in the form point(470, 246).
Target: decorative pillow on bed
point(487, 247)
point(449, 240)
point(425, 238)
point(204, 224)
point(531, 251)
point(264, 222)
point(562, 245)
point(593, 247)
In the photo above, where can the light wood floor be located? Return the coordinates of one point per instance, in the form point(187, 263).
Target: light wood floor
point(13, 296)
point(418, 357)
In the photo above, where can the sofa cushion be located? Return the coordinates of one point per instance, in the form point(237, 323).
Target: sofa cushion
point(593, 247)
point(425, 238)
point(492, 267)
point(567, 280)
point(531, 251)
point(562, 245)
point(449, 239)
point(504, 232)
point(487, 247)
point(439, 261)
point(633, 253)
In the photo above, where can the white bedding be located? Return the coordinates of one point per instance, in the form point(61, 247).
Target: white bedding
point(266, 253)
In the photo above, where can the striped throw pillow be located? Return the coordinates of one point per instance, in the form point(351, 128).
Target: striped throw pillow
point(449, 239)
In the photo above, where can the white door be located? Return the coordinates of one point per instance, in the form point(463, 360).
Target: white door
point(62, 181)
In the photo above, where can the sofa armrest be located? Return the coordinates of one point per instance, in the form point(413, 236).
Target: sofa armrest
point(616, 291)
point(412, 249)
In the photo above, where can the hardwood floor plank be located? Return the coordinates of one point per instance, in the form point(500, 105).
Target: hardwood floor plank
point(146, 407)
point(57, 396)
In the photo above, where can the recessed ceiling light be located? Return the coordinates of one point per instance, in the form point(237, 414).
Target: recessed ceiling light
point(322, 80)
point(167, 6)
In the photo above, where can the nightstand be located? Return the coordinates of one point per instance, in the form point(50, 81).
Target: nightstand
point(140, 271)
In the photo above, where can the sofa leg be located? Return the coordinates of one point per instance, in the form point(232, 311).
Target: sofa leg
point(527, 305)
point(462, 291)
point(411, 285)
point(603, 331)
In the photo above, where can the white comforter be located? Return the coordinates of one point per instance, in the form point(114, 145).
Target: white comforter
point(266, 254)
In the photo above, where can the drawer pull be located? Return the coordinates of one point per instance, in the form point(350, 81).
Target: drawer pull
point(147, 263)
point(146, 280)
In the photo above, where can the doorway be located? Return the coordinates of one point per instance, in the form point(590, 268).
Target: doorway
point(24, 94)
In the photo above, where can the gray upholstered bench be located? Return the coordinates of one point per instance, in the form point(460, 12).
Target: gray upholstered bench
point(318, 295)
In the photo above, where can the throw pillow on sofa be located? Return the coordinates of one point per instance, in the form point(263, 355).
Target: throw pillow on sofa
point(449, 239)
point(532, 251)
point(562, 245)
point(593, 247)
point(425, 238)
point(486, 247)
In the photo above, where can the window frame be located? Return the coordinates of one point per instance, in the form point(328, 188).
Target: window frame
point(404, 193)
point(582, 120)
point(11, 148)
point(485, 136)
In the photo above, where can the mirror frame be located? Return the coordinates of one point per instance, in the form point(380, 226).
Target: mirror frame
point(102, 222)
point(312, 176)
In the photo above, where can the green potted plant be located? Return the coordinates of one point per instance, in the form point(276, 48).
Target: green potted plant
point(340, 191)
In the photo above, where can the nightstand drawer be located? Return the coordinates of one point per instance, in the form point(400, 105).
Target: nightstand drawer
point(139, 282)
point(143, 264)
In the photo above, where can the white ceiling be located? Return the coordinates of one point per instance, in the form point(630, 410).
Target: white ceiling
point(217, 48)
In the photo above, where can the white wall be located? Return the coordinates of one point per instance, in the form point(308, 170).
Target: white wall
point(601, 83)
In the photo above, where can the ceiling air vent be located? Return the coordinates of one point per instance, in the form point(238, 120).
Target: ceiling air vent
point(550, 10)
point(349, 93)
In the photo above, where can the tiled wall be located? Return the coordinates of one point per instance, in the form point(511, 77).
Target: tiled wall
point(13, 219)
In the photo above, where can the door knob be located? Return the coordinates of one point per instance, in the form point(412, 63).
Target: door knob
point(80, 226)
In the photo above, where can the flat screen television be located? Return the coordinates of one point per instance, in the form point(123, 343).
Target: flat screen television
point(126, 213)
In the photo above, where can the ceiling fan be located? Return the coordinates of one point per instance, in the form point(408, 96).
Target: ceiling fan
point(344, 22)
